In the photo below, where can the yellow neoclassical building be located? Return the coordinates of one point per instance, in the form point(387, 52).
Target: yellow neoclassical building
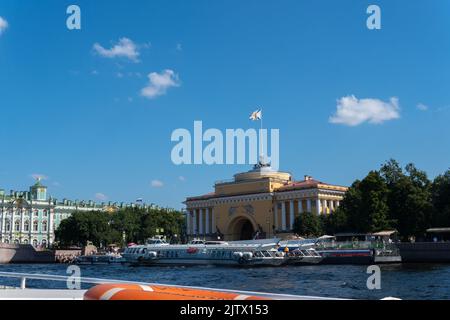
point(261, 201)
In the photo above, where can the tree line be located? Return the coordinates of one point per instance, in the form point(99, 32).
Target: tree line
point(404, 199)
point(119, 227)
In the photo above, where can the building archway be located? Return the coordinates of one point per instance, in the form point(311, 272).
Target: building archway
point(241, 228)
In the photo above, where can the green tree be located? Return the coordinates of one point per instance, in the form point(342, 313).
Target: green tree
point(440, 191)
point(365, 205)
point(81, 227)
point(335, 222)
point(308, 224)
point(136, 223)
point(409, 198)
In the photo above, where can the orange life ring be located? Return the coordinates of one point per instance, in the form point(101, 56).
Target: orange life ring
point(159, 292)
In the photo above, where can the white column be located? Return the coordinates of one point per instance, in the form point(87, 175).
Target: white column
point(188, 222)
point(338, 203)
point(50, 226)
point(275, 215)
point(308, 205)
point(300, 206)
point(291, 214)
point(2, 223)
point(283, 215)
point(332, 206)
point(213, 222)
point(21, 224)
point(201, 231)
point(318, 206)
point(194, 223)
point(207, 229)
point(325, 205)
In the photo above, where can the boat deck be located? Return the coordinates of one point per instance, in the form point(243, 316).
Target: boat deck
point(41, 294)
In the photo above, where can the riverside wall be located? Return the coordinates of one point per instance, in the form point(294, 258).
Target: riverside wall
point(23, 253)
point(425, 251)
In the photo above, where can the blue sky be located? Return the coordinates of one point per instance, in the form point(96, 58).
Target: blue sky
point(75, 113)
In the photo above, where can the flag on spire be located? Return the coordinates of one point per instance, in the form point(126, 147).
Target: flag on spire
point(256, 115)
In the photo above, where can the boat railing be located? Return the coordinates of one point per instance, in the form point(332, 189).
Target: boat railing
point(23, 277)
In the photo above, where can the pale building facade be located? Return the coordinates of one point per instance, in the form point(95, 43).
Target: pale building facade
point(260, 201)
point(31, 217)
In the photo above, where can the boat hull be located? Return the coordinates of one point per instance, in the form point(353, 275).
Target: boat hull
point(212, 262)
point(363, 257)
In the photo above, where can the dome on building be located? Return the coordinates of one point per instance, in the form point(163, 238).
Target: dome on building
point(262, 170)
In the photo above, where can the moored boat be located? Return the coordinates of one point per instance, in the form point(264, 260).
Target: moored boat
point(206, 254)
point(99, 259)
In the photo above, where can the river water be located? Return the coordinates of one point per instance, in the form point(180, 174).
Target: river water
point(405, 281)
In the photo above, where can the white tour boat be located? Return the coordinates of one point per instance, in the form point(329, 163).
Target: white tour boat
point(206, 253)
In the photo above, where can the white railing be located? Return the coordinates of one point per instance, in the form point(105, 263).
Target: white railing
point(24, 276)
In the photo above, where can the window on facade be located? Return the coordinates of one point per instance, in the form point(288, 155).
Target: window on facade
point(17, 225)
point(45, 213)
point(35, 242)
point(44, 226)
point(25, 241)
point(36, 213)
point(35, 225)
point(44, 243)
point(26, 226)
point(7, 225)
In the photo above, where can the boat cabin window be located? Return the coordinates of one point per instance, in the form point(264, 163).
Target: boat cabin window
point(258, 254)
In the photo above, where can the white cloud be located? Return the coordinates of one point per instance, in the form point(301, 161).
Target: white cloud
point(101, 196)
point(181, 178)
point(39, 176)
point(157, 183)
point(352, 111)
point(125, 48)
point(159, 83)
point(422, 107)
point(3, 25)
point(179, 47)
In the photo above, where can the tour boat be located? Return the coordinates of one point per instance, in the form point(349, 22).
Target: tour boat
point(206, 253)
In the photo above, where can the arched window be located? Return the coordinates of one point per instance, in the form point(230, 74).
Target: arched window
point(16, 241)
point(35, 225)
point(6, 240)
point(45, 213)
point(26, 226)
point(44, 226)
point(7, 225)
point(44, 243)
point(35, 243)
point(25, 241)
point(17, 225)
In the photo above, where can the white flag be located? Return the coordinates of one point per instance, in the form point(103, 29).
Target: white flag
point(256, 115)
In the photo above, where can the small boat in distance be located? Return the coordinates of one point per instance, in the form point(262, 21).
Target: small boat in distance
point(99, 259)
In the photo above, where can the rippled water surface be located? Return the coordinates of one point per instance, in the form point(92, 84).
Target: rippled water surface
point(406, 281)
